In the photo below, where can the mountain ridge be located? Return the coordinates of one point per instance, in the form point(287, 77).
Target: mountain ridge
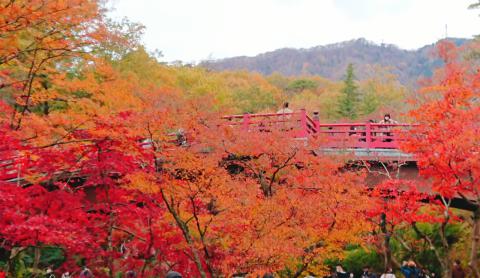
point(331, 60)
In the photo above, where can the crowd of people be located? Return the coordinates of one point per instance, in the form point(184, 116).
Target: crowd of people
point(409, 269)
point(87, 273)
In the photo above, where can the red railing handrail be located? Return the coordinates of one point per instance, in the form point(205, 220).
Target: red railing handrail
point(238, 116)
point(363, 124)
point(314, 126)
point(365, 135)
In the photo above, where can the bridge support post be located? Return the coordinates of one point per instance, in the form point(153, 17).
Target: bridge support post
point(316, 121)
point(303, 124)
point(368, 135)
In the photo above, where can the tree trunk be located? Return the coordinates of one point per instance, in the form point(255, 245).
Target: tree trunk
point(13, 254)
point(445, 259)
point(109, 245)
point(473, 264)
point(446, 269)
point(387, 251)
point(36, 261)
point(186, 234)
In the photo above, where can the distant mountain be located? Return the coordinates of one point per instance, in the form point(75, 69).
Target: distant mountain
point(330, 61)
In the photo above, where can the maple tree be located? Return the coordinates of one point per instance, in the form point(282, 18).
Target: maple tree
point(41, 40)
point(94, 178)
point(291, 187)
point(395, 202)
point(446, 142)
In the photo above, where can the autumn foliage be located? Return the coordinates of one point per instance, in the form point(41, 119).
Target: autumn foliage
point(120, 163)
point(120, 173)
point(446, 142)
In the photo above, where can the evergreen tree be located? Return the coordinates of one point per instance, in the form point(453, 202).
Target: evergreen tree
point(348, 106)
point(369, 103)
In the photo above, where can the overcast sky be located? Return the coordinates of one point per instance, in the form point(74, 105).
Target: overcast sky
point(194, 30)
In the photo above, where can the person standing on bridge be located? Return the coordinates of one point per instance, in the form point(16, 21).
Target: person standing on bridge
point(284, 117)
point(387, 120)
point(285, 109)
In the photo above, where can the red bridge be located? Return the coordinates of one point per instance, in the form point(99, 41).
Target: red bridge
point(369, 141)
point(377, 143)
point(358, 141)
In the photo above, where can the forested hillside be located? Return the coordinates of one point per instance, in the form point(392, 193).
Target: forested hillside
point(330, 61)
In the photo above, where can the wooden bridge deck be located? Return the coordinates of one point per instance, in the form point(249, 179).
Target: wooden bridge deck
point(377, 154)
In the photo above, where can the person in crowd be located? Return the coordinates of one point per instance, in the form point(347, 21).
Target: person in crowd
point(173, 274)
point(457, 271)
point(130, 274)
point(341, 273)
point(49, 273)
point(367, 273)
point(425, 273)
point(388, 274)
point(86, 273)
point(409, 269)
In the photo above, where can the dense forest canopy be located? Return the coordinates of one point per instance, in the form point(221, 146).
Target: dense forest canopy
point(114, 163)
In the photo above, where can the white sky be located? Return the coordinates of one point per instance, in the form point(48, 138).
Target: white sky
point(194, 30)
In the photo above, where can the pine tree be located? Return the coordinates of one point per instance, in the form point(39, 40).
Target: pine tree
point(348, 105)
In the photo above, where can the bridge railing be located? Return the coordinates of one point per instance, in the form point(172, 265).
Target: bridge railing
point(343, 135)
point(363, 135)
point(9, 169)
point(298, 124)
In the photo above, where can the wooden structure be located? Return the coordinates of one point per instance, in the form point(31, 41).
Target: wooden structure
point(369, 141)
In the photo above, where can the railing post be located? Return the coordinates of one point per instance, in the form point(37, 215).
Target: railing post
point(246, 121)
point(368, 134)
point(316, 121)
point(303, 123)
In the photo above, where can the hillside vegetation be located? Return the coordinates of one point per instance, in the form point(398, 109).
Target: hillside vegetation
point(330, 61)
